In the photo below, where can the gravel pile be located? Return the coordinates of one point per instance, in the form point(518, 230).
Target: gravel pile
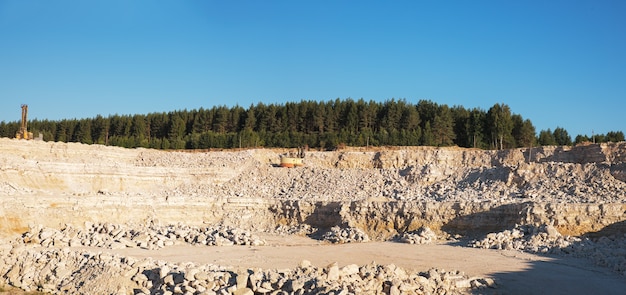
point(424, 235)
point(298, 230)
point(539, 182)
point(606, 251)
point(155, 158)
point(115, 236)
point(61, 271)
point(528, 238)
point(353, 279)
point(338, 235)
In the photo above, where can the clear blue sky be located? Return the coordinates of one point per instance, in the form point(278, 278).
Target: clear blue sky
point(557, 63)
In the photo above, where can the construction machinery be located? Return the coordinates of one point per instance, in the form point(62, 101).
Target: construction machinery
point(291, 160)
point(23, 132)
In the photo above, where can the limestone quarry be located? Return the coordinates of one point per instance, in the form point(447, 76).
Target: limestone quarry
point(92, 219)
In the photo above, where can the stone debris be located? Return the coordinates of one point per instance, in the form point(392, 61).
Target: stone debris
point(424, 235)
point(606, 251)
point(528, 238)
point(115, 236)
point(299, 230)
point(63, 271)
point(338, 235)
point(435, 175)
point(581, 174)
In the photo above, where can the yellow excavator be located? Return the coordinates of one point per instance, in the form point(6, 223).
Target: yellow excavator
point(23, 132)
point(292, 160)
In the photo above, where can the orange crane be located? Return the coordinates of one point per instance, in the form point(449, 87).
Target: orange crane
point(23, 132)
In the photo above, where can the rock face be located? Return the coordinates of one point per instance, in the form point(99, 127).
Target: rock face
point(421, 173)
point(380, 192)
point(383, 193)
point(384, 219)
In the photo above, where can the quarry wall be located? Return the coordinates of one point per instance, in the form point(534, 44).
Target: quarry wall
point(577, 189)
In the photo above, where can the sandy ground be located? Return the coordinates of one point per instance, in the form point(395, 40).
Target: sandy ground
point(515, 272)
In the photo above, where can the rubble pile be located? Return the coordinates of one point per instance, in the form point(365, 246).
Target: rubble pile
point(539, 182)
point(61, 271)
point(339, 235)
point(423, 235)
point(298, 230)
point(528, 238)
point(606, 251)
point(115, 236)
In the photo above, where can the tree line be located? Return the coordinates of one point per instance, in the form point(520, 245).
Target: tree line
point(316, 124)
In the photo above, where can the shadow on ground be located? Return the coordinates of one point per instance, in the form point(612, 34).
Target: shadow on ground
point(615, 229)
point(553, 274)
point(479, 224)
point(558, 276)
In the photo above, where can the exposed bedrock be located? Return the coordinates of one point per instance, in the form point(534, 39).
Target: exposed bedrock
point(382, 220)
point(379, 219)
point(576, 189)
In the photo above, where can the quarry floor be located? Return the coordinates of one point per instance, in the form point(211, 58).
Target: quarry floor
point(515, 272)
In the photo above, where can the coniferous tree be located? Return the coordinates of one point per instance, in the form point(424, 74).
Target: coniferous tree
point(427, 111)
point(546, 137)
point(410, 119)
point(250, 119)
point(581, 138)
point(82, 132)
point(614, 136)
point(176, 129)
point(235, 119)
point(524, 133)
point(461, 119)
point(368, 112)
point(99, 129)
point(428, 138)
point(443, 127)
point(61, 131)
point(350, 117)
point(221, 119)
point(476, 128)
point(561, 137)
point(201, 121)
point(138, 130)
point(323, 124)
point(599, 138)
point(501, 125)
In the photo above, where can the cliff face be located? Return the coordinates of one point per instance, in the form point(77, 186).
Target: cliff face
point(579, 189)
point(379, 219)
point(79, 168)
point(72, 167)
point(383, 220)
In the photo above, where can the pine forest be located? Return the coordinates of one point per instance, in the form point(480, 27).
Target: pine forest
point(315, 124)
